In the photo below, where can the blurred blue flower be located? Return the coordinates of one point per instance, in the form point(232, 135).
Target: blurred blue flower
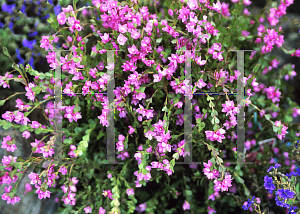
point(292, 210)
point(8, 8)
point(57, 10)
point(10, 26)
point(23, 9)
point(31, 62)
point(21, 60)
point(45, 17)
point(28, 44)
point(33, 34)
point(50, 1)
point(1, 24)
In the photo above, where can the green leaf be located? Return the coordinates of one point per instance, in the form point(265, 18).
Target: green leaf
point(188, 192)
point(213, 160)
point(178, 111)
point(220, 160)
point(247, 192)
point(255, 69)
point(241, 38)
point(23, 128)
point(201, 126)
point(7, 125)
point(16, 66)
point(76, 59)
point(2, 102)
point(176, 155)
point(5, 51)
point(217, 120)
point(86, 137)
point(77, 108)
point(297, 187)
point(239, 179)
point(18, 165)
point(67, 141)
point(267, 116)
point(158, 40)
point(288, 118)
point(38, 130)
point(221, 168)
point(77, 130)
point(275, 128)
point(165, 109)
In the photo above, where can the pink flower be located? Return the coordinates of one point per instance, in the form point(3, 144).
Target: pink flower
point(87, 210)
point(101, 211)
point(121, 39)
point(130, 192)
point(7, 144)
point(272, 94)
point(186, 206)
point(67, 9)
point(63, 170)
point(105, 38)
point(45, 43)
point(35, 124)
point(43, 194)
point(211, 210)
point(218, 135)
point(193, 5)
point(229, 108)
point(247, 2)
point(61, 18)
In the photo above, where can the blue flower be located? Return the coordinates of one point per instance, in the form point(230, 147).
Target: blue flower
point(31, 62)
point(33, 34)
point(282, 204)
point(269, 184)
point(248, 203)
point(50, 1)
point(271, 167)
point(285, 193)
point(1, 24)
point(45, 17)
point(23, 9)
point(57, 10)
point(292, 210)
point(277, 165)
point(10, 26)
point(8, 8)
point(298, 171)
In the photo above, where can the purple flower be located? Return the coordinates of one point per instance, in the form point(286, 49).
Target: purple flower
point(141, 207)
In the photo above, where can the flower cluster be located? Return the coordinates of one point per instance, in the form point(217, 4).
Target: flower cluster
point(8, 145)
